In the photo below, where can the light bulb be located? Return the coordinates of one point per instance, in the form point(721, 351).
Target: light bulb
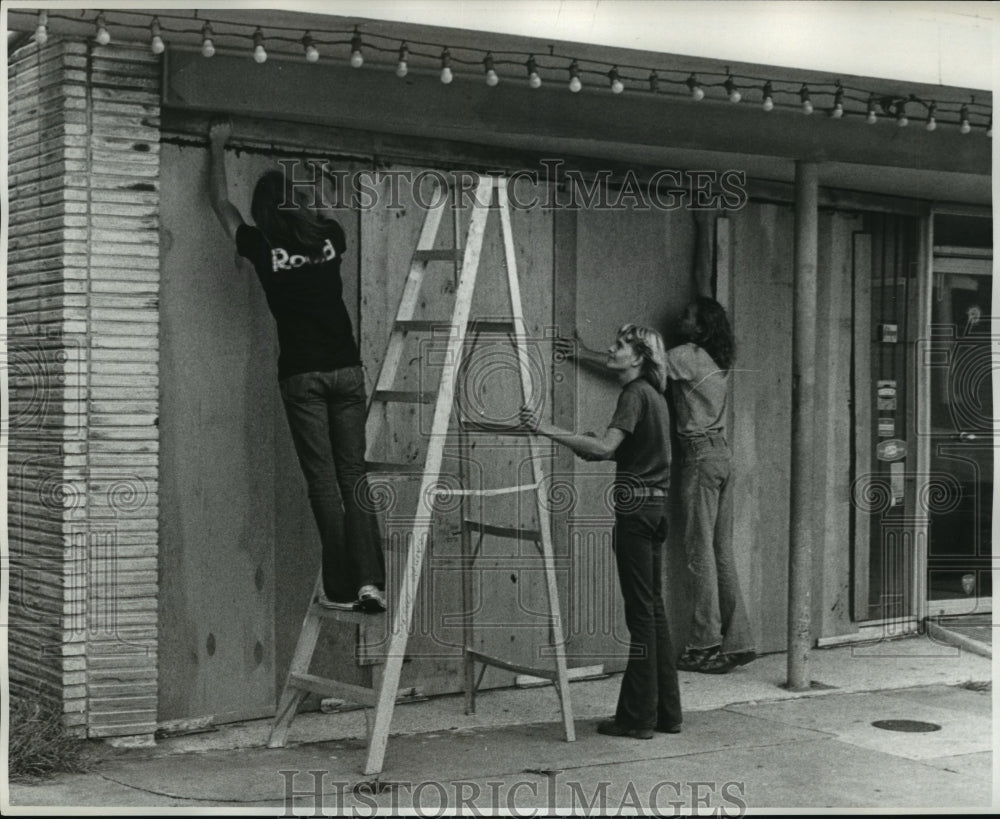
point(574, 78)
point(446, 75)
point(616, 84)
point(156, 41)
point(697, 92)
point(732, 91)
point(768, 102)
point(401, 66)
point(838, 104)
point(931, 119)
point(872, 117)
point(207, 46)
point(965, 127)
point(312, 53)
point(901, 119)
point(491, 75)
point(534, 79)
point(807, 106)
point(102, 36)
point(259, 54)
point(42, 30)
point(357, 59)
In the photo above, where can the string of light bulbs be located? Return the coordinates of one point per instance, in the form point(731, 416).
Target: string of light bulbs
point(618, 78)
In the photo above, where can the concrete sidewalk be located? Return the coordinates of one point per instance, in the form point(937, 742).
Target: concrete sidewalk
point(747, 743)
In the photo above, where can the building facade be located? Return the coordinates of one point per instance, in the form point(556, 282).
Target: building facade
point(160, 543)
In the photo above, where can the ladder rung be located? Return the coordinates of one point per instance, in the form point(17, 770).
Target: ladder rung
point(421, 325)
point(405, 396)
point(479, 325)
point(513, 532)
point(334, 688)
point(361, 618)
point(492, 325)
point(441, 254)
point(388, 468)
point(517, 668)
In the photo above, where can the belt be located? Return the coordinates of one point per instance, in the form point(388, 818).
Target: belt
point(705, 439)
point(645, 492)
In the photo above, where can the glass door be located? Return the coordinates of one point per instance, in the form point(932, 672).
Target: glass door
point(960, 547)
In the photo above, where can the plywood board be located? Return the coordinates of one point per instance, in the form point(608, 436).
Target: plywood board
point(762, 320)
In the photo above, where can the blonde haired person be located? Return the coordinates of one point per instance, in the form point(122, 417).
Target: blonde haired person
point(638, 440)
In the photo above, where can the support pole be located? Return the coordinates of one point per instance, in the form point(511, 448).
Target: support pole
point(803, 437)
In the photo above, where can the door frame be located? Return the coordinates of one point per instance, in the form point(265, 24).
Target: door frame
point(927, 608)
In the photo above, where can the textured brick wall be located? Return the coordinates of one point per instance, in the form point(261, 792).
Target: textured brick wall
point(83, 279)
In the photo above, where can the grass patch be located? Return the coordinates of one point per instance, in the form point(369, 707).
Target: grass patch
point(40, 746)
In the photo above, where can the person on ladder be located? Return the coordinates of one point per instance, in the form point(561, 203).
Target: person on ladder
point(296, 251)
point(638, 439)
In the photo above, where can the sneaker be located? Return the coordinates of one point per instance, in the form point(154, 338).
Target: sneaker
point(743, 657)
point(669, 729)
point(336, 605)
point(716, 663)
point(613, 729)
point(692, 658)
point(370, 600)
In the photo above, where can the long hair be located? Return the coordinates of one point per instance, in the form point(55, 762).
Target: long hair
point(649, 345)
point(283, 212)
point(713, 333)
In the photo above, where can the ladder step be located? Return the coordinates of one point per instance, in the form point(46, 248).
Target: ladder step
point(517, 668)
point(479, 325)
point(360, 618)
point(512, 532)
point(421, 325)
point(405, 396)
point(388, 468)
point(492, 325)
point(333, 688)
point(441, 254)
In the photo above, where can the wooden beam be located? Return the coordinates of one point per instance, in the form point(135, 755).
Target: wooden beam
point(800, 550)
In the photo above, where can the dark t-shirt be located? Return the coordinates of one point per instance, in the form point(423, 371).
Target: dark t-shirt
point(305, 294)
point(643, 458)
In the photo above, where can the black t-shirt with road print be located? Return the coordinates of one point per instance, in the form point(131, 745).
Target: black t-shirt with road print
point(305, 293)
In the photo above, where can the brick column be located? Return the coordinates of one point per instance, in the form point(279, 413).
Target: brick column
point(83, 279)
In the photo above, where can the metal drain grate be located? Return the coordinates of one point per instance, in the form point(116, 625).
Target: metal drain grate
point(910, 726)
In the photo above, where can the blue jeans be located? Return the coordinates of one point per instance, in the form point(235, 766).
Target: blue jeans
point(720, 616)
point(326, 415)
point(650, 694)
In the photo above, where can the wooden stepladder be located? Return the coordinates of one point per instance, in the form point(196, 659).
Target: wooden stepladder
point(382, 695)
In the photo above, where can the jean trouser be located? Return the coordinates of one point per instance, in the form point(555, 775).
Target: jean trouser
point(326, 415)
point(720, 616)
point(649, 694)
